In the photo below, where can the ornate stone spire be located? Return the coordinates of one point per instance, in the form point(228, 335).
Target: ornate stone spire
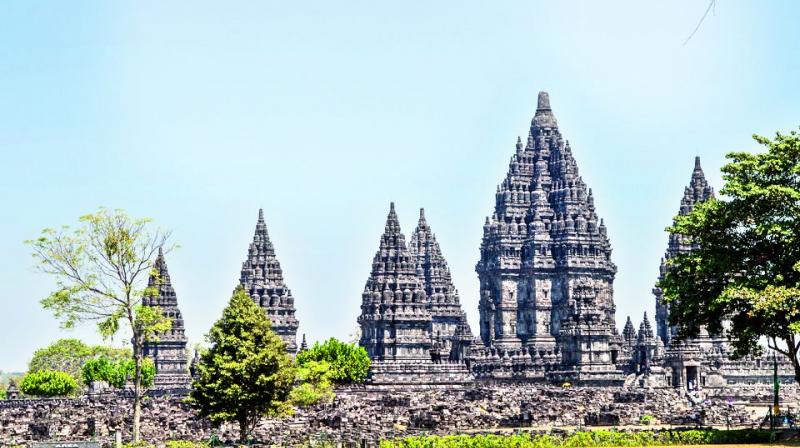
point(543, 242)
point(303, 344)
point(169, 351)
point(697, 191)
point(645, 330)
point(262, 278)
point(443, 302)
point(629, 332)
point(395, 322)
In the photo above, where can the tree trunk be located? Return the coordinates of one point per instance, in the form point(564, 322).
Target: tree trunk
point(792, 355)
point(137, 388)
point(243, 430)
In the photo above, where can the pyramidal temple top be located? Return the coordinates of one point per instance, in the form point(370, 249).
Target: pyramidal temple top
point(544, 118)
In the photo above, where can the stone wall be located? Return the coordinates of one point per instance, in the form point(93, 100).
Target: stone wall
point(361, 415)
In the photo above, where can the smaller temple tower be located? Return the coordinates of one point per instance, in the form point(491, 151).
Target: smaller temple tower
point(449, 322)
point(262, 278)
point(168, 352)
point(395, 321)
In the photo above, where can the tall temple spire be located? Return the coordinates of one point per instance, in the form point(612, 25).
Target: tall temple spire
point(443, 302)
point(262, 278)
point(545, 255)
point(697, 191)
point(169, 351)
point(395, 321)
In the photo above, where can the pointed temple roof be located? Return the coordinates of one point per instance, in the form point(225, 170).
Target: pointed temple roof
point(169, 351)
point(629, 332)
point(545, 198)
point(645, 330)
point(394, 301)
point(165, 298)
point(262, 278)
point(434, 272)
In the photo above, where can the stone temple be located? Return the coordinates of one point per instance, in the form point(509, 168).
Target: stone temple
point(169, 350)
point(546, 303)
point(262, 278)
point(545, 271)
point(403, 327)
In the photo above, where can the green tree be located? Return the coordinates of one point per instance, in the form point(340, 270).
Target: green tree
point(314, 384)
point(246, 373)
point(69, 355)
point(349, 363)
point(746, 265)
point(101, 268)
point(117, 372)
point(48, 383)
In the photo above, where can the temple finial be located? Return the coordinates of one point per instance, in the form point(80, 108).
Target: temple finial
point(697, 164)
point(422, 214)
point(261, 214)
point(544, 101)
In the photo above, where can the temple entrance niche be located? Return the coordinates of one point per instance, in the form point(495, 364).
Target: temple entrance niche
point(692, 377)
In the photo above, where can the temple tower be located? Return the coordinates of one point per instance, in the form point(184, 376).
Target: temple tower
point(545, 270)
point(443, 302)
point(395, 321)
point(262, 278)
point(697, 191)
point(169, 351)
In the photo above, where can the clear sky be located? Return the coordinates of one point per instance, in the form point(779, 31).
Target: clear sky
point(198, 113)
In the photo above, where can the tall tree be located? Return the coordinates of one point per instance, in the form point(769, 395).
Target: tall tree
point(101, 268)
point(745, 268)
point(246, 373)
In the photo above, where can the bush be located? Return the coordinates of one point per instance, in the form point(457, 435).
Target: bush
point(117, 372)
point(48, 383)
point(313, 384)
point(349, 362)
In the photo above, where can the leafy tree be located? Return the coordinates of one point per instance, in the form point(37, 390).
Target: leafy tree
point(314, 384)
point(246, 373)
point(117, 372)
point(69, 355)
point(101, 268)
point(746, 266)
point(349, 363)
point(48, 383)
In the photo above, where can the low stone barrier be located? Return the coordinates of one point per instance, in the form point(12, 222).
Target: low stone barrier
point(360, 415)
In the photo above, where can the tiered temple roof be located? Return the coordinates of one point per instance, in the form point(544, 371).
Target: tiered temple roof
point(169, 351)
point(545, 256)
point(449, 322)
point(697, 191)
point(395, 321)
point(262, 278)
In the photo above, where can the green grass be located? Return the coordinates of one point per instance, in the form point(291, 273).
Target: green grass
point(586, 439)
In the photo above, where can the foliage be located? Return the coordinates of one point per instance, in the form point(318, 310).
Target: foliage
point(48, 383)
point(349, 362)
point(117, 372)
point(585, 439)
point(69, 355)
point(246, 373)
point(101, 268)
point(746, 263)
point(647, 419)
point(314, 384)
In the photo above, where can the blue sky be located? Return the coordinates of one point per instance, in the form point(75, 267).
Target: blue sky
point(198, 113)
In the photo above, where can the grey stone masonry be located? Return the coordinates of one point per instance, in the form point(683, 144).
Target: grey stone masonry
point(169, 350)
point(262, 278)
point(449, 322)
point(395, 321)
point(545, 269)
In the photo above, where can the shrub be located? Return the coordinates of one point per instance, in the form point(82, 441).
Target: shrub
point(48, 383)
point(349, 362)
point(313, 384)
point(117, 372)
